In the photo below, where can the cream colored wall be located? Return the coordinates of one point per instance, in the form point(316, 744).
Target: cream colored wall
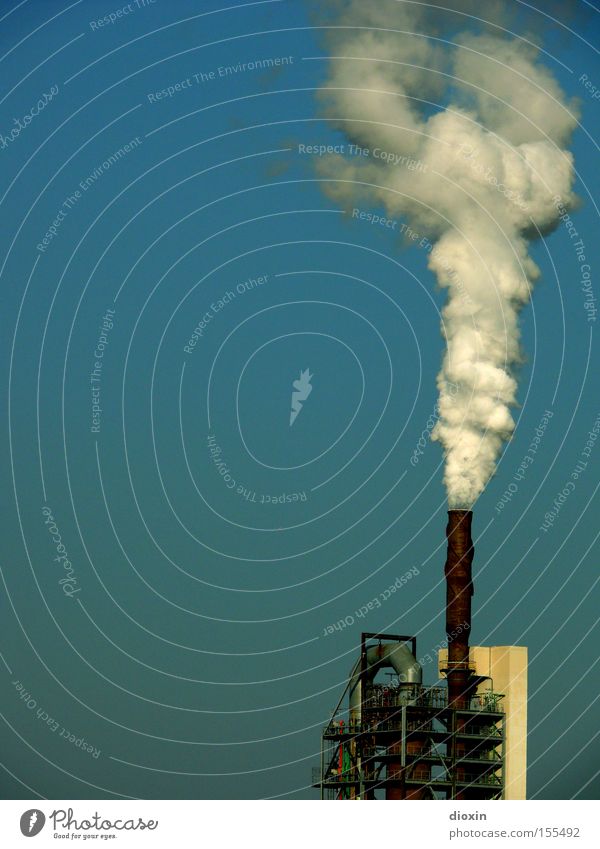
point(507, 667)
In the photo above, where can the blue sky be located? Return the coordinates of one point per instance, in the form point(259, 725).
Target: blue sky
point(193, 655)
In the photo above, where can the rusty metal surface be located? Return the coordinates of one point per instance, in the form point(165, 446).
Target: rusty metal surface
point(459, 590)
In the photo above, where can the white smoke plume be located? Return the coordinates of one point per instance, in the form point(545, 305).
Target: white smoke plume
point(474, 129)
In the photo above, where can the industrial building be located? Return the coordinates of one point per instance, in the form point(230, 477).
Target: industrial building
point(400, 739)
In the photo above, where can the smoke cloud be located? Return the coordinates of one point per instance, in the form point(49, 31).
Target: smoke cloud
point(487, 126)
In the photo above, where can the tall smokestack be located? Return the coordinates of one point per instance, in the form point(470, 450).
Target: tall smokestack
point(459, 589)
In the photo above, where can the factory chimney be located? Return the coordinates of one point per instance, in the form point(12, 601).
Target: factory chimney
point(459, 589)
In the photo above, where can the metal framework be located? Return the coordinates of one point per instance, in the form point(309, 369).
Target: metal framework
point(408, 744)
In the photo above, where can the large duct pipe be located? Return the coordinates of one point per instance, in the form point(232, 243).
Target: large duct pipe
point(459, 589)
point(396, 655)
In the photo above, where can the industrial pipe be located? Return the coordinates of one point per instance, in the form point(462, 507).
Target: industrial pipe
point(459, 589)
point(405, 665)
